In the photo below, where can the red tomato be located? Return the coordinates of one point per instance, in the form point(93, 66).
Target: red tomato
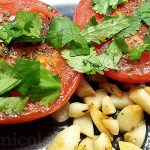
point(49, 57)
point(131, 72)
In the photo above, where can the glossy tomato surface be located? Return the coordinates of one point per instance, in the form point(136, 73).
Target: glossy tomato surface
point(49, 58)
point(130, 72)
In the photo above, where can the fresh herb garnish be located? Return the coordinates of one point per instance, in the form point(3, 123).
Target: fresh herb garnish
point(31, 80)
point(132, 29)
point(12, 105)
point(93, 63)
point(106, 6)
point(26, 28)
point(48, 89)
point(30, 72)
point(144, 12)
point(64, 34)
point(89, 64)
point(107, 29)
point(92, 22)
point(147, 37)
point(113, 53)
point(137, 51)
point(9, 78)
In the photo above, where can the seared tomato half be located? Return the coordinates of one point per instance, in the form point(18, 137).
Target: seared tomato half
point(50, 58)
point(131, 72)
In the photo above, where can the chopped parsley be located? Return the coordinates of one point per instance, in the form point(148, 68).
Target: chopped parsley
point(144, 12)
point(106, 6)
point(64, 34)
point(137, 51)
point(31, 80)
point(26, 28)
point(9, 78)
point(93, 63)
point(12, 105)
point(107, 29)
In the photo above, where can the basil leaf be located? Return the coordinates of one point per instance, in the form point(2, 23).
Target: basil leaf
point(63, 33)
point(12, 105)
point(9, 78)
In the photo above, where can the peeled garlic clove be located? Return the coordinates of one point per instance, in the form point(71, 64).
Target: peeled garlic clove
point(77, 109)
point(67, 139)
point(130, 117)
point(86, 144)
point(136, 136)
point(84, 89)
point(112, 125)
point(111, 88)
point(62, 114)
point(97, 99)
point(108, 107)
point(147, 89)
point(128, 146)
point(121, 102)
point(142, 98)
point(86, 125)
point(102, 143)
point(97, 117)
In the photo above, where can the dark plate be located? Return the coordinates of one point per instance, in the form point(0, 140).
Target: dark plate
point(38, 134)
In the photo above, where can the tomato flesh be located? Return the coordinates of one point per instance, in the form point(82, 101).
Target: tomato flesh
point(49, 58)
point(130, 72)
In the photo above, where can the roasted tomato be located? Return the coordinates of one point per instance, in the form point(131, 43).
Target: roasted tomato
point(50, 58)
point(131, 72)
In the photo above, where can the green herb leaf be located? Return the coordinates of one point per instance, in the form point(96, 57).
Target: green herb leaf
point(7, 33)
point(26, 28)
point(115, 3)
point(48, 90)
point(30, 71)
point(137, 51)
point(147, 37)
point(12, 105)
point(135, 24)
point(29, 25)
point(121, 45)
point(113, 53)
point(106, 6)
point(8, 77)
point(106, 29)
point(98, 63)
point(63, 33)
point(89, 64)
point(92, 22)
point(144, 12)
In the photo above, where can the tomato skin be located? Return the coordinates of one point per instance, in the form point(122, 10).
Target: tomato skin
point(137, 72)
point(50, 59)
point(130, 72)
